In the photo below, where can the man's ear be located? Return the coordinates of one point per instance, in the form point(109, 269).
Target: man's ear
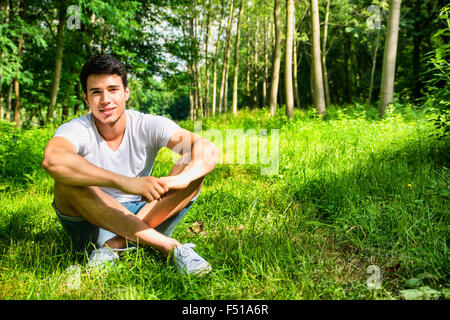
point(127, 93)
point(85, 99)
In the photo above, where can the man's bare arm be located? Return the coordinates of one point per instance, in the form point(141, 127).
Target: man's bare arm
point(64, 165)
point(200, 156)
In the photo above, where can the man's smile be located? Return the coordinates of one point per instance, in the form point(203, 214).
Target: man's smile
point(108, 111)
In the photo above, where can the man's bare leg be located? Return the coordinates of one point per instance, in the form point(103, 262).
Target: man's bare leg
point(155, 212)
point(102, 210)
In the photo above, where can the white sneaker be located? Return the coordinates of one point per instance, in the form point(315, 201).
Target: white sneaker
point(99, 257)
point(188, 261)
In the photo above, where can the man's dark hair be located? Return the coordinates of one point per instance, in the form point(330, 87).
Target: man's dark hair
point(102, 64)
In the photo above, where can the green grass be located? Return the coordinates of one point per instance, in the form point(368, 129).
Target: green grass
point(351, 192)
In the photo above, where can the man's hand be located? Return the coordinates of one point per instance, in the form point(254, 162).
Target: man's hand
point(176, 182)
point(150, 188)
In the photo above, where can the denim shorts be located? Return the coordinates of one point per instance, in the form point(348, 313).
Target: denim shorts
point(83, 233)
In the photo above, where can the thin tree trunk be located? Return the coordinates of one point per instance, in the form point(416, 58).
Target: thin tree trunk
point(17, 100)
point(295, 74)
point(214, 94)
point(318, 96)
point(289, 88)
point(9, 102)
point(199, 87)
point(266, 64)
point(191, 85)
point(192, 94)
point(196, 71)
point(236, 59)
point(389, 57)
point(256, 67)
point(2, 107)
point(65, 110)
point(324, 56)
point(276, 58)
point(58, 61)
point(208, 13)
point(347, 77)
point(248, 65)
point(76, 108)
point(374, 62)
point(224, 83)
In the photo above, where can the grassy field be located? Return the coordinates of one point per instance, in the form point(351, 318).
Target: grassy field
point(351, 192)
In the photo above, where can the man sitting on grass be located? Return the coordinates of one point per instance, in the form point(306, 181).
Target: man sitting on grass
point(101, 164)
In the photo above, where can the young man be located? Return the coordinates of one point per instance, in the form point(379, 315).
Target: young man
point(101, 164)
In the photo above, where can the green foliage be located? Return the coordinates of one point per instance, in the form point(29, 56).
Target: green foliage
point(438, 95)
point(154, 97)
point(21, 154)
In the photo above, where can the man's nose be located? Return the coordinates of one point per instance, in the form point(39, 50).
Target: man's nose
point(105, 97)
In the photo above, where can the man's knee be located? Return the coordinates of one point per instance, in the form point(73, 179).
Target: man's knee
point(66, 196)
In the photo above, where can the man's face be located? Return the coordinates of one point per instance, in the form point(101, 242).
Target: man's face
point(106, 97)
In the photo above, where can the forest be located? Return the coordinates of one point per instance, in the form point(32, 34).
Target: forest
point(355, 94)
point(201, 58)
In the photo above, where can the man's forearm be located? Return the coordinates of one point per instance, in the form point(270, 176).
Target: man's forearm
point(199, 162)
point(72, 169)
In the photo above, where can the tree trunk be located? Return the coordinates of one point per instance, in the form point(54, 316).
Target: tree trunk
point(192, 94)
point(266, 64)
point(374, 62)
point(248, 66)
point(256, 68)
point(276, 58)
point(214, 93)
point(324, 56)
point(76, 108)
point(208, 13)
point(17, 100)
point(2, 55)
point(195, 69)
point(191, 86)
point(58, 61)
point(236, 59)
point(318, 95)
point(199, 87)
point(2, 100)
point(290, 27)
point(390, 53)
point(347, 77)
point(224, 83)
point(65, 110)
point(295, 74)
point(9, 102)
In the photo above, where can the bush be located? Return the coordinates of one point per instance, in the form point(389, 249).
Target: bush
point(438, 96)
point(21, 152)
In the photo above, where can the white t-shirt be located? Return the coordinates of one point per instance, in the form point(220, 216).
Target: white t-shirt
point(145, 135)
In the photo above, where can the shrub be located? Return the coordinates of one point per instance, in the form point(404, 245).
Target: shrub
point(21, 152)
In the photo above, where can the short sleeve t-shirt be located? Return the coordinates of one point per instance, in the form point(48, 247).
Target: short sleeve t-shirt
point(145, 135)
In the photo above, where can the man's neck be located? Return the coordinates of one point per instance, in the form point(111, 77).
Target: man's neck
point(112, 132)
